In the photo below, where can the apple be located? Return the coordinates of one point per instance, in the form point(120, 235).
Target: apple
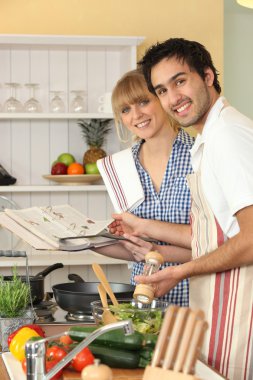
point(66, 158)
point(91, 168)
point(59, 168)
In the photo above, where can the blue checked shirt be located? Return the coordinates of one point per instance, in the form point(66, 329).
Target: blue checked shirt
point(171, 204)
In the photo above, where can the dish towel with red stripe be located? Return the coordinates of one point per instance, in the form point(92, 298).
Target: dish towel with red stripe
point(121, 180)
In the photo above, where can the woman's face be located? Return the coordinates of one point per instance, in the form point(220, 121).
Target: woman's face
point(145, 118)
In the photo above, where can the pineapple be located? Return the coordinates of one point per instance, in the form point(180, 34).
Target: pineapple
point(94, 132)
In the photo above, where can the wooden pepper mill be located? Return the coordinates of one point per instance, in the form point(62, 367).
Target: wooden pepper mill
point(145, 292)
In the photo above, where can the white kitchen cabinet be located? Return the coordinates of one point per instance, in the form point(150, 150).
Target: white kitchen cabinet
point(29, 143)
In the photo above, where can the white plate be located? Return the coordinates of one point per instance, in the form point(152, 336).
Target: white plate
point(13, 367)
point(81, 179)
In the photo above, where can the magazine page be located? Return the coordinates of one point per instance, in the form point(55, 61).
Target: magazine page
point(74, 221)
point(23, 233)
point(51, 223)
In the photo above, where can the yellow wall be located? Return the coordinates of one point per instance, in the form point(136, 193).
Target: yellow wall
point(157, 20)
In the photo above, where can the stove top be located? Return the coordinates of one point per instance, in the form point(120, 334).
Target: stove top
point(48, 312)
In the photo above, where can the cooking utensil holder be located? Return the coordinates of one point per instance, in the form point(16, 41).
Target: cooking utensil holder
point(152, 373)
point(178, 345)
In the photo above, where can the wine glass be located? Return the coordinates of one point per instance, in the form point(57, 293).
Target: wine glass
point(78, 103)
point(57, 104)
point(32, 105)
point(12, 104)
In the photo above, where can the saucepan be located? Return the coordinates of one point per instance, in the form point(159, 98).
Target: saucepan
point(75, 297)
point(37, 282)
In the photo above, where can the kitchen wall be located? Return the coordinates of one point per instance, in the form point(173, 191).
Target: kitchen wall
point(156, 20)
point(238, 56)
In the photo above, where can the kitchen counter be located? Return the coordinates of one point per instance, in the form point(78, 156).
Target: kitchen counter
point(70, 375)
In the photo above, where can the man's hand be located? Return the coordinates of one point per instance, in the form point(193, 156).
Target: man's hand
point(163, 281)
point(124, 223)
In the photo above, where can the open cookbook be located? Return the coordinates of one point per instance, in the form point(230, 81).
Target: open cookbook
point(48, 228)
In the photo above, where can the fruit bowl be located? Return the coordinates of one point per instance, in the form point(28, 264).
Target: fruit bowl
point(79, 179)
point(146, 318)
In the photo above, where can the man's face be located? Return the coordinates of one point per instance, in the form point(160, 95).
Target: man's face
point(184, 95)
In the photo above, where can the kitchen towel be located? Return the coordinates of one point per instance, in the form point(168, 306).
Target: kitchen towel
point(121, 180)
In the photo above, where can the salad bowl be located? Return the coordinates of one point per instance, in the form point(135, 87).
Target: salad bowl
point(146, 318)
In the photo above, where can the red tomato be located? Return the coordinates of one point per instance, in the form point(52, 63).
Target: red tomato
point(55, 353)
point(49, 365)
point(23, 363)
point(82, 359)
point(65, 339)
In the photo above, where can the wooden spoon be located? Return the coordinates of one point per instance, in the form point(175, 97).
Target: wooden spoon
point(102, 278)
point(107, 316)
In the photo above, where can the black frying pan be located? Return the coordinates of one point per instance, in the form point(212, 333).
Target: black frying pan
point(76, 297)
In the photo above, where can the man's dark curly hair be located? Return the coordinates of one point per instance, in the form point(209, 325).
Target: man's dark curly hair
point(190, 52)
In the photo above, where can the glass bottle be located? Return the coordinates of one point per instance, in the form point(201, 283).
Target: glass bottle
point(145, 292)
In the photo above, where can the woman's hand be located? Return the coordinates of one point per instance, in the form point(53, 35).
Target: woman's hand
point(138, 247)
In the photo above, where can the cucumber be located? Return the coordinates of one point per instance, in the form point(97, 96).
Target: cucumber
point(116, 358)
point(114, 339)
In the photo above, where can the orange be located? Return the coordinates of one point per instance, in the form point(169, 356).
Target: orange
point(75, 168)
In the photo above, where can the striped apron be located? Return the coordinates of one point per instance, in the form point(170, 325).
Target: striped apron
point(226, 297)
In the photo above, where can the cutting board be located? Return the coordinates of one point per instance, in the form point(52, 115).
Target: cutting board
point(127, 374)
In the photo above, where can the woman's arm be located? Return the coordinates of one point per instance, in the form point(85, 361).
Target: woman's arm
point(135, 250)
point(116, 251)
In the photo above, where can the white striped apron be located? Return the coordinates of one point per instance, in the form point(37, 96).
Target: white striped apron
point(226, 298)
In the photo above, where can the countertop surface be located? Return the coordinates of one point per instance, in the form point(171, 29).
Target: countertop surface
point(69, 375)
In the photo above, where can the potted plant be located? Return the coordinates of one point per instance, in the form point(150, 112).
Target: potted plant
point(14, 301)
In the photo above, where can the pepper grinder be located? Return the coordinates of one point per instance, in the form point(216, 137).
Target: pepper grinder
point(144, 293)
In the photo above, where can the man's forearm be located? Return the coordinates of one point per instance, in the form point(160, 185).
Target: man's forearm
point(173, 233)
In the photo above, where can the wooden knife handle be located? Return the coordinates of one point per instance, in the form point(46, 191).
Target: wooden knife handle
point(195, 346)
point(186, 339)
point(175, 338)
point(165, 332)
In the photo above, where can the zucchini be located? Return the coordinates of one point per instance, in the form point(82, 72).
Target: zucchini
point(116, 358)
point(150, 340)
point(114, 339)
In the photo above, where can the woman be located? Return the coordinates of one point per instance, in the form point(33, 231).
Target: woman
point(162, 158)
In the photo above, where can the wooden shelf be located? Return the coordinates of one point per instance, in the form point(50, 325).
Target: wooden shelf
point(51, 188)
point(54, 116)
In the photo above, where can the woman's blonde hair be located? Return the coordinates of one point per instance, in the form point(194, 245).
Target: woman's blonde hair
point(130, 89)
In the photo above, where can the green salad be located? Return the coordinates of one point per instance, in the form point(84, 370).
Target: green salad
point(146, 320)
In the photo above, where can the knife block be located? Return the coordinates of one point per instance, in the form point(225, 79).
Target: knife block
point(178, 345)
point(152, 373)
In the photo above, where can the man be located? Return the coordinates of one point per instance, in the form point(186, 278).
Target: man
point(182, 75)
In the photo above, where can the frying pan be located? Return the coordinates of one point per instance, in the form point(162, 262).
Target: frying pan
point(37, 282)
point(76, 297)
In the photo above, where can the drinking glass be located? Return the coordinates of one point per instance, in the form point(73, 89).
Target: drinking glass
point(78, 103)
point(32, 105)
point(57, 104)
point(12, 104)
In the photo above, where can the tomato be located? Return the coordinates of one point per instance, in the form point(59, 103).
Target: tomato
point(49, 365)
point(65, 339)
point(55, 353)
point(82, 359)
point(23, 363)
